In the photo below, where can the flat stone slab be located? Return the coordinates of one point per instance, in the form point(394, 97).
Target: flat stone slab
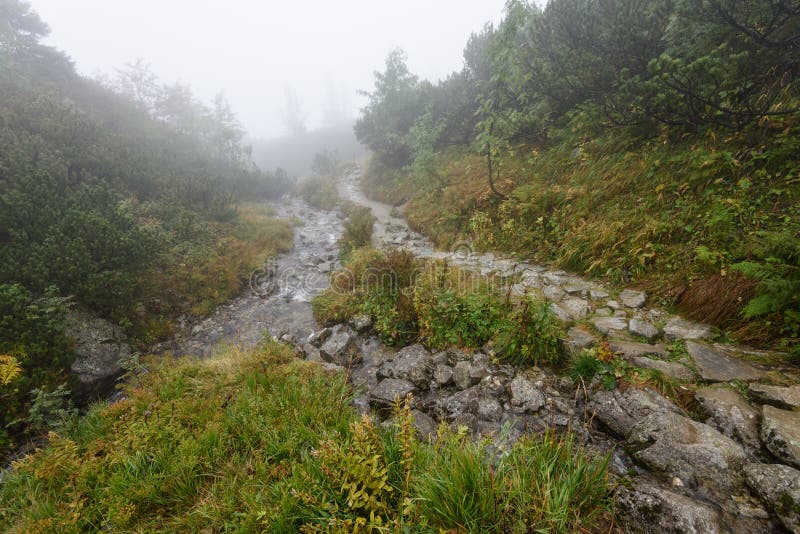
point(643, 328)
point(576, 307)
point(670, 369)
point(780, 432)
point(390, 389)
point(606, 324)
point(632, 298)
point(781, 397)
point(632, 348)
point(716, 366)
point(731, 414)
point(579, 339)
point(779, 487)
point(677, 328)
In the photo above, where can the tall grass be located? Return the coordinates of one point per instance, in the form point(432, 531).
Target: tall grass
point(259, 441)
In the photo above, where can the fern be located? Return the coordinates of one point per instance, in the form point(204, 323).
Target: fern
point(10, 369)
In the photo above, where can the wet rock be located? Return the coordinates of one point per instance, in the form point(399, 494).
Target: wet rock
point(340, 347)
point(670, 369)
point(619, 410)
point(780, 397)
point(780, 432)
point(779, 487)
point(361, 323)
point(489, 409)
point(461, 375)
point(443, 374)
point(579, 339)
point(390, 389)
point(631, 349)
point(678, 328)
point(575, 307)
point(316, 339)
point(647, 508)
point(644, 329)
point(607, 324)
point(716, 366)
point(424, 425)
point(613, 304)
point(598, 294)
point(525, 396)
point(553, 293)
point(575, 288)
point(632, 298)
point(560, 312)
point(412, 363)
point(100, 349)
point(462, 402)
point(731, 414)
point(676, 446)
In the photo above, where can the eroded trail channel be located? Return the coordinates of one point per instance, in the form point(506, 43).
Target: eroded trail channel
point(725, 462)
point(278, 301)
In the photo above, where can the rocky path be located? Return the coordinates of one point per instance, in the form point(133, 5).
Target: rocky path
point(278, 302)
point(728, 465)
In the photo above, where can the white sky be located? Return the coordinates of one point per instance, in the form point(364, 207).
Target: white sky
point(253, 49)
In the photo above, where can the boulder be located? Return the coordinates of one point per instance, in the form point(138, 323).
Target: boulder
point(462, 402)
point(678, 328)
point(619, 410)
point(671, 369)
point(779, 487)
point(525, 395)
point(100, 349)
point(389, 390)
point(575, 307)
point(316, 339)
point(424, 425)
point(607, 324)
point(647, 508)
point(632, 298)
point(489, 409)
point(443, 374)
point(780, 432)
point(340, 347)
point(780, 397)
point(716, 366)
point(360, 323)
point(695, 453)
point(461, 377)
point(413, 363)
point(643, 328)
point(731, 414)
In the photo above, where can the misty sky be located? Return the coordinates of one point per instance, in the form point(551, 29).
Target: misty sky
point(254, 49)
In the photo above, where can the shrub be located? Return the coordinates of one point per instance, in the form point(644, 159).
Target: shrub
point(357, 230)
point(531, 334)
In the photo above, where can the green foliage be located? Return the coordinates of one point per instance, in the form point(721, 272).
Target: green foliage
point(531, 334)
point(357, 230)
point(32, 334)
point(455, 308)
point(319, 191)
point(222, 444)
point(49, 409)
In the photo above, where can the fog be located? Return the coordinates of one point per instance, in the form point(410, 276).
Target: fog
point(263, 54)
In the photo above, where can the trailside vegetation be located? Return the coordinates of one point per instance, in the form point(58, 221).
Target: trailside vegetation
point(120, 196)
point(262, 441)
point(646, 142)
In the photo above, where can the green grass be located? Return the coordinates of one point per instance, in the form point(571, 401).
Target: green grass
point(260, 441)
point(411, 299)
point(319, 192)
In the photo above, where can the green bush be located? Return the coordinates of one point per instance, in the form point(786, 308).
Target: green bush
point(357, 230)
point(531, 334)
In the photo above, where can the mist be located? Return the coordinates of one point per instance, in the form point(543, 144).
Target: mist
point(262, 55)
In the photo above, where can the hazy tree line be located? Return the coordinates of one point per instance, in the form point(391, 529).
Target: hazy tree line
point(643, 63)
point(99, 182)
